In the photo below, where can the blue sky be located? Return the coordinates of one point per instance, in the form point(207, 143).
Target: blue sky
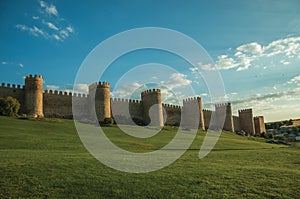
point(255, 45)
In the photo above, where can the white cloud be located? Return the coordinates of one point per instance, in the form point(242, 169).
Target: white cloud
point(70, 29)
point(176, 80)
point(284, 62)
point(77, 88)
point(50, 9)
point(56, 37)
point(206, 66)
point(52, 26)
point(52, 87)
point(280, 52)
point(64, 34)
point(126, 91)
point(203, 94)
point(35, 31)
point(252, 48)
point(81, 88)
point(21, 65)
point(295, 79)
point(4, 63)
point(48, 24)
point(271, 105)
point(225, 62)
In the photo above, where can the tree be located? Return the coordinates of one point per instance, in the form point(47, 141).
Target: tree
point(9, 106)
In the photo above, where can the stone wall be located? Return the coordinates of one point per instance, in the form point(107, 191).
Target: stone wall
point(236, 123)
point(192, 113)
point(152, 107)
point(259, 125)
point(14, 91)
point(207, 117)
point(59, 104)
point(246, 121)
point(172, 116)
point(126, 111)
point(224, 114)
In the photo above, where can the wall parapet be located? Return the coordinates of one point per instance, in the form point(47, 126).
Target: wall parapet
point(34, 77)
point(221, 105)
point(125, 100)
point(61, 93)
point(99, 85)
point(249, 110)
point(12, 86)
point(192, 99)
point(206, 110)
point(171, 106)
point(257, 117)
point(149, 91)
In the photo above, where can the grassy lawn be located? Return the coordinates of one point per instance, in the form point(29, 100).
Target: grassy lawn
point(47, 159)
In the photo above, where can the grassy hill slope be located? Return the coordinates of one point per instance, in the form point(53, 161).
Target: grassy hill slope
point(47, 159)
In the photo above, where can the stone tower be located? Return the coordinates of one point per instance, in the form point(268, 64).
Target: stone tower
point(34, 96)
point(246, 121)
point(259, 124)
point(152, 106)
point(100, 97)
point(192, 113)
point(222, 109)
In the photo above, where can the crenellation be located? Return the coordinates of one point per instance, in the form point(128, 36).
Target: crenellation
point(248, 110)
point(150, 98)
point(246, 121)
point(259, 125)
point(221, 110)
point(38, 102)
point(193, 113)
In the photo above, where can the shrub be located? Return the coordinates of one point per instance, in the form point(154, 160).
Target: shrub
point(139, 122)
point(9, 106)
point(23, 117)
point(107, 122)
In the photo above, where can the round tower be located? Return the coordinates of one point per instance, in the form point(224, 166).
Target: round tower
point(101, 93)
point(152, 105)
point(34, 96)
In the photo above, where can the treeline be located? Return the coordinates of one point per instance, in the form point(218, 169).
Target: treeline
point(277, 125)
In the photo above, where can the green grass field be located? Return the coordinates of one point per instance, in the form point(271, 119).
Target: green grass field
point(41, 159)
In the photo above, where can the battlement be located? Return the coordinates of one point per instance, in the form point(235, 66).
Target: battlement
point(13, 86)
point(191, 99)
point(61, 93)
point(207, 111)
point(258, 117)
point(221, 105)
point(35, 77)
point(125, 100)
point(150, 91)
point(171, 106)
point(249, 110)
point(99, 85)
